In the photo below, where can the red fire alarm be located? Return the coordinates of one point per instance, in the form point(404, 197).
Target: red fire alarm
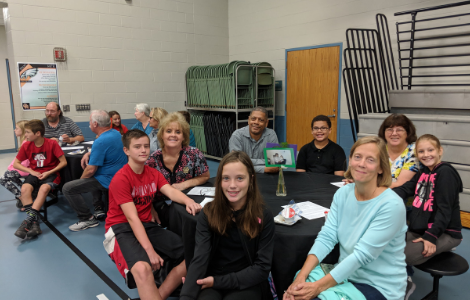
point(60, 54)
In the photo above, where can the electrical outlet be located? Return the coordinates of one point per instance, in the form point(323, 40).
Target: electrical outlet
point(82, 107)
point(66, 108)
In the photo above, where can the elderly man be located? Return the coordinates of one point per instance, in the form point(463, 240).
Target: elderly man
point(252, 139)
point(59, 126)
point(100, 165)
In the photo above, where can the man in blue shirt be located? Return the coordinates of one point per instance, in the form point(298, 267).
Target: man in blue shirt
point(105, 159)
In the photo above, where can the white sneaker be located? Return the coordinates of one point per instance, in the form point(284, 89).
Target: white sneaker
point(410, 288)
point(82, 225)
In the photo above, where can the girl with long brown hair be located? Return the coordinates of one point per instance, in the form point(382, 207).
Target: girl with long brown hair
point(234, 238)
point(116, 122)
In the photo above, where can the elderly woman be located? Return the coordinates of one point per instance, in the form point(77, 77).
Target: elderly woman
point(400, 134)
point(367, 219)
point(181, 165)
point(156, 114)
point(142, 112)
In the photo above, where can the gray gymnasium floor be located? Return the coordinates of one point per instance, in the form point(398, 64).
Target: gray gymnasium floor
point(61, 264)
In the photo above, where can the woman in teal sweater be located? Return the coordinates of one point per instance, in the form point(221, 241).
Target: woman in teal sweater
point(367, 219)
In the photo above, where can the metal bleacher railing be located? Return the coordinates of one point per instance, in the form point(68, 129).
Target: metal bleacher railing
point(370, 71)
point(438, 40)
point(220, 97)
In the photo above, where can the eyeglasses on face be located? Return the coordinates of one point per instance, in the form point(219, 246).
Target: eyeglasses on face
point(395, 129)
point(320, 128)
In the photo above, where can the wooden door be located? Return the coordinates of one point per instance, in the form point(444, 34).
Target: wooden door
point(312, 89)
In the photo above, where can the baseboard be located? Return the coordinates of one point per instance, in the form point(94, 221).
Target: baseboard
point(8, 151)
point(465, 217)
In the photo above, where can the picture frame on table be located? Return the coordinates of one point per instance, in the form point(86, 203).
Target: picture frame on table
point(279, 157)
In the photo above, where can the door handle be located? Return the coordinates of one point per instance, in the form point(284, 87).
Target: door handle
point(331, 116)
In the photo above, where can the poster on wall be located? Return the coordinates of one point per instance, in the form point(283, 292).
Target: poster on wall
point(39, 85)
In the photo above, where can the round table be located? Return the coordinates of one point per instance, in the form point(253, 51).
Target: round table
point(73, 170)
point(291, 243)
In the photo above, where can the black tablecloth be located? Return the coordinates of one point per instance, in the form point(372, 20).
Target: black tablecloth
point(73, 170)
point(292, 243)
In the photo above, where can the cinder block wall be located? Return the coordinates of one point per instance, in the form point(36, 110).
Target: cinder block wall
point(119, 52)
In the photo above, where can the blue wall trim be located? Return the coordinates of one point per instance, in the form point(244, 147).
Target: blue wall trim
point(90, 136)
point(344, 139)
point(338, 113)
point(8, 151)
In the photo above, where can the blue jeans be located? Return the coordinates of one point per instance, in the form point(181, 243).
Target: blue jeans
point(368, 291)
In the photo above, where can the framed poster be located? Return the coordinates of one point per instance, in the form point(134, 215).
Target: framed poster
point(39, 85)
point(276, 157)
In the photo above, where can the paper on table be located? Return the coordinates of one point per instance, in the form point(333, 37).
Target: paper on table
point(72, 148)
point(88, 143)
point(311, 210)
point(202, 191)
point(206, 200)
point(338, 184)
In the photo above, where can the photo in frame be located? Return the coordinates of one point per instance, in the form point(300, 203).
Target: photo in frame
point(277, 157)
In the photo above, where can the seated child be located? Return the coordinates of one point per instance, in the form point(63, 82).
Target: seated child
point(11, 179)
point(116, 122)
point(46, 159)
point(434, 223)
point(134, 241)
point(234, 238)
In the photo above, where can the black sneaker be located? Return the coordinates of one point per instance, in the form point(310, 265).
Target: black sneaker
point(18, 203)
point(23, 230)
point(35, 230)
point(99, 214)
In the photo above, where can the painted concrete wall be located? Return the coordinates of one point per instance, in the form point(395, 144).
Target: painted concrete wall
point(119, 52)
point(262, 30)
point(6, 134)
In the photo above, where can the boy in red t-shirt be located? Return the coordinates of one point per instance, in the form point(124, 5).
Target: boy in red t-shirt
point(134, 241)
point(46, 158)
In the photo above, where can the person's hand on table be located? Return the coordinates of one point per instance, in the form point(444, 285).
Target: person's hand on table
point(180, 186)
point(85, 159)
point(67, 139)
point(192, 207)
point(207, 282)
point(155, 260)
point(271, 169)
point(43, 175)
point(429, 248)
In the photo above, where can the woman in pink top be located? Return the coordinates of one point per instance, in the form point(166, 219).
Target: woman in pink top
point(11, 179)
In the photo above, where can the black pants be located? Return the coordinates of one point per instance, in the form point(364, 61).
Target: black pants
point(253, 292)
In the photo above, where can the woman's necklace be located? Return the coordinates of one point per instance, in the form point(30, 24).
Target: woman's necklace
point(372, 196)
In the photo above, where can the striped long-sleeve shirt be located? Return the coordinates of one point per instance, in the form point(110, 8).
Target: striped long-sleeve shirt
point(65, 126)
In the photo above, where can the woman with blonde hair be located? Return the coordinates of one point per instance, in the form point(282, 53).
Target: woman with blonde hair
point(156, 114)
point(367, 220)
point(11, 179)
point(181, 165)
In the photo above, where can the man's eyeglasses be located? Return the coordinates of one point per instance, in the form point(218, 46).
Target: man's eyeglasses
point(320, 128)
